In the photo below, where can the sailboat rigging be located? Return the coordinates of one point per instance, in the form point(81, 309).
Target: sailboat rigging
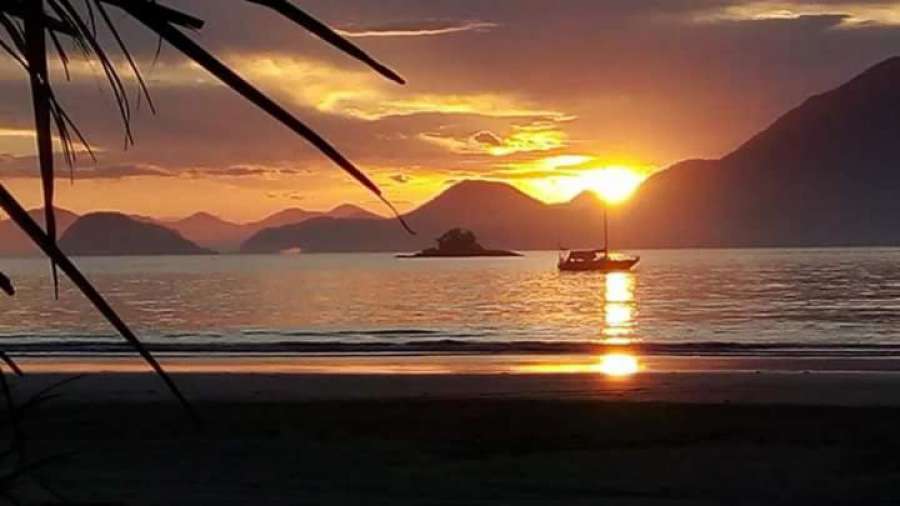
point(602, 260)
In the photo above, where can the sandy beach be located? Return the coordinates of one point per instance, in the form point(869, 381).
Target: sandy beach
point(468, 431)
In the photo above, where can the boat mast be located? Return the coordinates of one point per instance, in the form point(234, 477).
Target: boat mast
point(606, 227)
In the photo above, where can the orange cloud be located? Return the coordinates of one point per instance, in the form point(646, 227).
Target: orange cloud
point(523, 139)
point(362, 95)
point(421, 30)
point(851, 14)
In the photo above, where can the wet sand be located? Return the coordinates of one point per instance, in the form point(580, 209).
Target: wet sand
point(831, 381)
point(498, 430)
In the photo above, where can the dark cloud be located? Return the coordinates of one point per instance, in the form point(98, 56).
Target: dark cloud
point(238, 172)
point(26, 167)
point(487, 138)
point(286, 195)
point(401, 178)
point(511, 175)
point(121, 171)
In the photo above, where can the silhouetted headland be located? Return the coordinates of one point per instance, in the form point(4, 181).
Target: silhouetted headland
point(102, 234)
point(459, 242)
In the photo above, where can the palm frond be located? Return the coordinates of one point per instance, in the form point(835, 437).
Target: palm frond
point(321, 30)
point(161, 12)
point(6, 285)
point(36, 57)
point(45, 395)
point(28, 23)
point(17, 8)
point(144, 91)
point(99, 53)
point(176, 38)
point(21, 218)
point(11, 363)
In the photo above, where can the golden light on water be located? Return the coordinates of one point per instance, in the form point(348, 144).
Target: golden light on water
point(618, 364)
point(619, 287)
point(617, 316)
point(618, 341)
point(618, 308)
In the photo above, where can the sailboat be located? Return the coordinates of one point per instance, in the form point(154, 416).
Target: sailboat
point(601, 260)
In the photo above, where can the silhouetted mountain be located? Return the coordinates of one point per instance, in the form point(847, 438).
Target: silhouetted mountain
point(351, 211)
point(285, 217)
point(498, 212)
point(209, 231)
point(117, 234)
point(825, 173)
point(15, 243)
point(213, 232)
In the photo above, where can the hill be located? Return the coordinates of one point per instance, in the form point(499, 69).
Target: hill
point(500, 213)
point(213, 232)
point(208, 230)
point(824, 174)
point(115, 234)
point(351, 211)
point(15, 243)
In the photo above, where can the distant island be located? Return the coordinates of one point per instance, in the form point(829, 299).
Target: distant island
point(459, 242)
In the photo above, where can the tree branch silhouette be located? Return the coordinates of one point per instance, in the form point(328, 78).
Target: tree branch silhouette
point(28, 23)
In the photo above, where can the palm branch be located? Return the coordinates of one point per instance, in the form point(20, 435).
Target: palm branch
point(29, 24)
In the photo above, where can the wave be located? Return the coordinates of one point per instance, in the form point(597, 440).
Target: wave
point(83, 346)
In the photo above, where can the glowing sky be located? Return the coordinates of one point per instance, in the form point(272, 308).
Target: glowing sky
point(533, 92)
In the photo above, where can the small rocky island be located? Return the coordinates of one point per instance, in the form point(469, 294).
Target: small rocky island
point(459, 242)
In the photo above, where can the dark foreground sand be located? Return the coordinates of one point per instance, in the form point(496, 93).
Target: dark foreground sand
point(777, 436)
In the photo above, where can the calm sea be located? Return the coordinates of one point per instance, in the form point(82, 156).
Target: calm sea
point(749, 300)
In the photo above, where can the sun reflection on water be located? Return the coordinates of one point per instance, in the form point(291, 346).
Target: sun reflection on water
point(619, 308)
point(618, 364)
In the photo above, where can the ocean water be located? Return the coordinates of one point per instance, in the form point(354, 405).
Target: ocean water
point(696, 301)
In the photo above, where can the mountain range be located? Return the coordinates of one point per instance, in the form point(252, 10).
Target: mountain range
point(115, 234)
point(499, 214)
point(15, 243)
point(210, 231)
point(202, 230)
point(826, 173)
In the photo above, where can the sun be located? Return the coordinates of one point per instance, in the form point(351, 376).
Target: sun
point(614, 184)
point(564, 177)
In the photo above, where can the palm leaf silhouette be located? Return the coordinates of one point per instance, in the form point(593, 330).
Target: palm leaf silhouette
point(6, 285)
point(28, 24)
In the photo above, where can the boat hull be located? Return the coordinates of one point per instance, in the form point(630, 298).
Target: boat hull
point(600, 265)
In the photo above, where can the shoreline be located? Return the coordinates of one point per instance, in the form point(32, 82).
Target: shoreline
point(692, 380)
point(457, 363)
point(444, 346)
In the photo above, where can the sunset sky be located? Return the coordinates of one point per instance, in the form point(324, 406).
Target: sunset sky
point(532, 92)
